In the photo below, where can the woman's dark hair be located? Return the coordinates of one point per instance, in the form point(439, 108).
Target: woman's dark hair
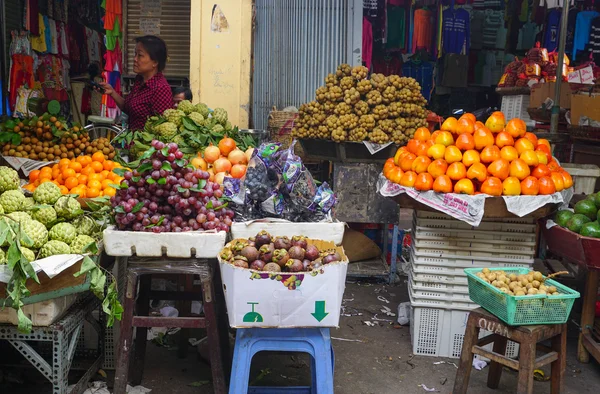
point(156, 48)
point(187, 93)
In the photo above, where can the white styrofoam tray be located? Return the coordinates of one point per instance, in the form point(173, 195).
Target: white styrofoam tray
point(42, 313)
point(189, 244)
point(326, 231)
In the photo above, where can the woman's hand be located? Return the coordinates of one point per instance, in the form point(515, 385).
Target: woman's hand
point(107, 88)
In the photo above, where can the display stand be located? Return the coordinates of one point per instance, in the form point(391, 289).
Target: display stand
point(63, 337)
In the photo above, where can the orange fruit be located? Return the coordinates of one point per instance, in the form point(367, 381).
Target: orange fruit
point(106, 183)
point(92, 192)
point(509, 153)
point(64, 162)
point(112, 176)
point(442, 184)
point(96, 165)
point(413, 145)
point(483, 137)
point(543, 141)
point(83, 160)
point(436, 151)
point(109, 191)
point(492, 186)
point(559, 181)
point(98, 156)
point(437, 168)
point(104, 174)
point(88, 170)
point(469, 116)
point(450, 124)
point(477, 171)
point(94, 184)
point(511, 186)
point(71, 182)
point(456, 171)
point(406, 162)
point(68, 172)
point(530, 158)
point(34, 175)
point(420, 164)
point(540, 170)
point(77, 167)
point(503, 139)
point(63, 189)
point(489, 154)
point(108, 165)
point(445, 138)
point(452, 154)
point(523, 144)
point(423, 147)
point(516, 127)
point(46, 170)
point(82, 179)
point(531, 137)
point(465, 126)
point(495, 122)
point(470, 157)
point(422, 134)
point(408, 179)
point(500, 169)
point(530, 186)
point(567, 179)
point(464, 186)
point(547, 185)
point(424, 181)
point(465, 142)
point(519, 169)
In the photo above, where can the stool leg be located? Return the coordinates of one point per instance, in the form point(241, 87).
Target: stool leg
point(461, 383)
point(126, 336)
point(587, 313)
point(212, 328)
point(495, 367)
point(526, 362)
point(323, 363)
point(558, 367)
point(141, 333)
point(240, 371)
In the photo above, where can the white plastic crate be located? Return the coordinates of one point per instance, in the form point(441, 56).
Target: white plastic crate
point(483, 226)
point(443, 216)
point(440, 332)
point(459, 263)
point(584, 176)
point(470, 252)
point(437, 283)
point(516, 107)
point(444, 233)
point(470, 256)
point(454, 245)
point(42, 313)
point(437, 299)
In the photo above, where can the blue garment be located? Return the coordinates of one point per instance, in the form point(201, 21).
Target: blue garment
point(552, 29)
point(47, 34)
point(456, 31)
point(583, 27)
point(422, 72)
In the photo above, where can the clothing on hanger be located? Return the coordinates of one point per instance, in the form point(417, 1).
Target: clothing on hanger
point(422, 30)
point(396, 28)
point(367, 42)
point(583, 27)
point(594, 43)
point(552, 29)
point(456, 31)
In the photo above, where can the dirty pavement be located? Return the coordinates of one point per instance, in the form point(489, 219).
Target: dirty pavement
point(372, 356)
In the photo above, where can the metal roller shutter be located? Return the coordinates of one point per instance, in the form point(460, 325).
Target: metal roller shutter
point(296, 44)
point(174, 29)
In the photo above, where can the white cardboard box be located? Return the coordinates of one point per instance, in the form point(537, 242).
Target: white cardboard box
point(189, 244)
point(326, 231)
point(286, 299)
point(42, 313)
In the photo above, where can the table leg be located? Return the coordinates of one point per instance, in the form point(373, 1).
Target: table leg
point(461, 382)
point(141, 333)
point(186, 284)
point(495, 367)
point(213, 334)
point(558, 367)
point(587, 313)
point(126, 335)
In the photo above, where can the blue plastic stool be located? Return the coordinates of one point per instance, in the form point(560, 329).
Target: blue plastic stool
point(314, 341)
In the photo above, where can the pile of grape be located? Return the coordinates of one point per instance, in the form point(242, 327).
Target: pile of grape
point(164, 194)
point(394, 106)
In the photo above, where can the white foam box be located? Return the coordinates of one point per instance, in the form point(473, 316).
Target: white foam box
point(440, 332)
point(189, 244)
point(286, 299)
point(326, 231)
point(42, 314)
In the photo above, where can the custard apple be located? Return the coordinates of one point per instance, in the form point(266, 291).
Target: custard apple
point(220, 115)
point(166, 130)
point(47, 193)
point(1, 210)
point(228, 126)
point(19, 216)
point(12, 200)
point(67, 207)
point(54, 247)
point(178, 139)
point(47, 216)
point(85, 225)
point(9, 179)
point(3, 257)
point(64, 232)
point(197, 118)
point(28, 253)
point(80, 242)
point(174, 116)
point(186, 106)
point(27, 203)
point(218, 129)
point(202, 109)
point(36, 231)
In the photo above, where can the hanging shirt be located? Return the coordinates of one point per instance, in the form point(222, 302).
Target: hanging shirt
point(455, 31)
point(53, 36)
point(422, 29)
point(93, 44)
point(583, 27)
point(595, 40)
point(571, 30)
point(477, 26)
point(38, 43)
point(552, 29)
point(527, 35)
point(367, 43)
point(147, 99)
point(47, 34)
point(554, 3)
point(396, 21)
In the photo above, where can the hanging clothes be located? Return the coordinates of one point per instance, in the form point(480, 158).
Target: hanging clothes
point(53, 37)
point(455, 31)
point(583, 27)
point(571, 30)
point(552, 29)
point(367, 43)
point(21, 73)
point(494, 21)
point(38, 42)
point(33, 11)
point(396, 28)
point(595, 40)
point(477, 26)
point(527, 35)
point(422, 30)
point(93, 45)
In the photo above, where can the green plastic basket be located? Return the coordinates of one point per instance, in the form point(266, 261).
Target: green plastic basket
point(521, 310)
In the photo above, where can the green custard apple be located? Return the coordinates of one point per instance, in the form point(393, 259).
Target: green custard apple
point(80, 242)
point(67, 207)
point(52, 248)
point(28, 253)
point(85, 225)
point(9, 179)
point(36, 231)
point(47, 216)
point(47, 193)
point(12, 200)
point(64, 232)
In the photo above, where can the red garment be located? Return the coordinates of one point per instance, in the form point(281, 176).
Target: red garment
point(387, 65)
point(397, 3)
point(422, 31)
point(367, 43)
point(112, 58)
point(21, 73)
point(32, 14)
point(86, 102)
point(147, 99)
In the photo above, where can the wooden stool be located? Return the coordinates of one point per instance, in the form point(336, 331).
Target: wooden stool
point(214, 319)
point(528, 337)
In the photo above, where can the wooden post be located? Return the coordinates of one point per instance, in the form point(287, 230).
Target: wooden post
point(587, 313)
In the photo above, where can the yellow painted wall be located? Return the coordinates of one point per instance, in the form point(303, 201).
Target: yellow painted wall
point(220, 56)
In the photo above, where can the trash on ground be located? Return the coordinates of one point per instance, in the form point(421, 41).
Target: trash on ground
point(446, 362)
point(539, 375)
point(199, 383)
point(428, 389)
point(387, 311)
point(404, 313)
point(383, 299)
point(347, 340)
point(478, 363)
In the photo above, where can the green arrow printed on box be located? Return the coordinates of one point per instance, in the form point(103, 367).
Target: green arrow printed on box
point(320, 313)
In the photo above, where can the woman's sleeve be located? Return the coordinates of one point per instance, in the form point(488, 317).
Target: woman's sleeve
point(163, 99)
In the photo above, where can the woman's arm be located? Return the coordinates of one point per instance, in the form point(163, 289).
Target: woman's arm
point(120, 101)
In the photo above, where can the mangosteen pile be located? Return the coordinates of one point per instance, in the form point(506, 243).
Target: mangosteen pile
point(277, 254)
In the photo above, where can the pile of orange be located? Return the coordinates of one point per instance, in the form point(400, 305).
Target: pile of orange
point(470, 157)
point(87, 176)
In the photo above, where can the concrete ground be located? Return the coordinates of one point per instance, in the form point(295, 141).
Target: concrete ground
point(368, 360)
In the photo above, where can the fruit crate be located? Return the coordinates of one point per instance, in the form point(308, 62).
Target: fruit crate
point(483, 226)
point(438, 282)
point(443, 216)
point(439, 299)
point(572, 246)
point(444, 233)
point(439, 331)
point(521, 310)
point(516, 107)
point(189, 244)
point(453, 245)
point(469, 259)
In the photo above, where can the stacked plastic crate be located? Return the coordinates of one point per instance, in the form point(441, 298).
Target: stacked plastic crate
point(442, 248)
